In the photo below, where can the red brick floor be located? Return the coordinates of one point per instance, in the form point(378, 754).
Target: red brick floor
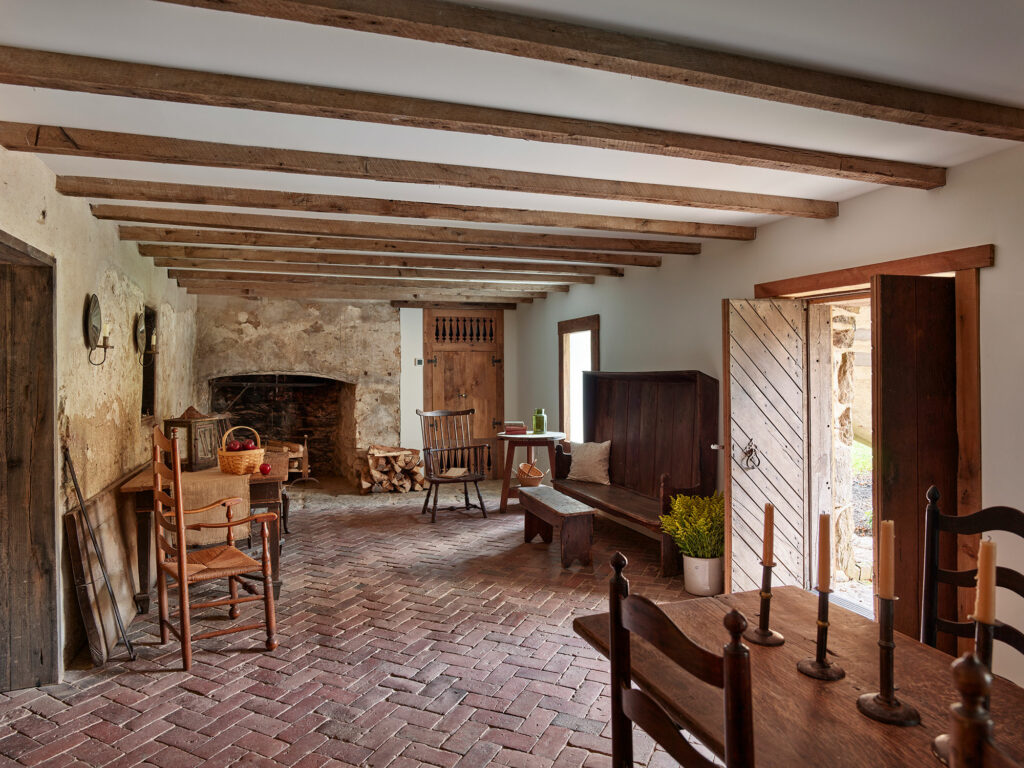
point(401, 644)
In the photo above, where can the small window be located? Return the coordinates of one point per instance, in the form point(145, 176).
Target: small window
point(579, 347)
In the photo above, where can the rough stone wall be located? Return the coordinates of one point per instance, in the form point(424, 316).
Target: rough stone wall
point(99, 407)
point(844, 328)
point(357, 342)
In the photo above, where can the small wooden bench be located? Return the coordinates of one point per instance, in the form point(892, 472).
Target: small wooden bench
point(544, 508)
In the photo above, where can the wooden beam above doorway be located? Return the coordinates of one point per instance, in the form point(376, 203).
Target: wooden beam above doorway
point(244, 255)
point(436, 21)
point(113, 145)
point(87, 74)
point(193, 194)
point(450, 305)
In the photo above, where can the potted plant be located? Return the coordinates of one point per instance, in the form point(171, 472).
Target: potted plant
point(697, 525)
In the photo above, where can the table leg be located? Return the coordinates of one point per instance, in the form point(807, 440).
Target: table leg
point(551, 462)
point(529, 454)
point(510, 452)
point(143, 539)
point(286, 504)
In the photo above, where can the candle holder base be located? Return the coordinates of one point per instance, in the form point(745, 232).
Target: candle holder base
point(940, 748)
point(892, 713)
point(821, 670)
point(759, 636)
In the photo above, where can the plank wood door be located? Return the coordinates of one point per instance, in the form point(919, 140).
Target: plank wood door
point(29, 651)
point(914, 420)
point(464, 368)
point(765, 346)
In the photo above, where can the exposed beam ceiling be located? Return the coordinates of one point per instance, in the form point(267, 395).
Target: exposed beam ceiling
point(44, 69)
point(385, 284)
point(576, 248)
point(114, 145)
point(193, 194)
point(448, 23)
point(370, 261)
point(453, 275)
point(318, 290)
point(451, 305)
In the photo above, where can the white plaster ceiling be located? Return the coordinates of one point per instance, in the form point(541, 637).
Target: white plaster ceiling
point(972, 49)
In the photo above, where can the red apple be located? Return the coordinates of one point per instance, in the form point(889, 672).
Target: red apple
point(249, 445)
point(234, 445)
point(265, 468)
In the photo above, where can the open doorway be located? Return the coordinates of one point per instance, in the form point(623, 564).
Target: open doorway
point(843, 442)
point(579, 350)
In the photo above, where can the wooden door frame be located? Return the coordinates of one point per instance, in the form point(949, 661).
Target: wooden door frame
point(18, 254)
point(590, 323)
point(965, 265)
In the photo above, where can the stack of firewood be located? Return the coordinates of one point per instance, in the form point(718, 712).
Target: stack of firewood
point(390, 469)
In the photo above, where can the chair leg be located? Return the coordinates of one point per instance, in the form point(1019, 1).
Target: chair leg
point(186, 626)
point(433, 512)
point(233, 588)
point(426, 501)
point(161, 596)
point(268, 608)
point(465, 493)
point(480, 498)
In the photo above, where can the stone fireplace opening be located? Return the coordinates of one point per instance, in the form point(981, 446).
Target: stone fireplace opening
point(295, 407)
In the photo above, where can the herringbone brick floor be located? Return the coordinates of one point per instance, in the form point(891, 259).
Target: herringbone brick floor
point(401, 644)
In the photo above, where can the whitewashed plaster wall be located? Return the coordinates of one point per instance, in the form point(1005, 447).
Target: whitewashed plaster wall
point(99, 407)
point(670, 318)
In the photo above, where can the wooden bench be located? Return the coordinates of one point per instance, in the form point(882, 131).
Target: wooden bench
point(661, 426)
point(544, 508)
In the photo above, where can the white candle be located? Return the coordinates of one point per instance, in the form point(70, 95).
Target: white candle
point(887, 560)
point(985, 605)
point(152, 340)
point(824, 552)
point(106, 330)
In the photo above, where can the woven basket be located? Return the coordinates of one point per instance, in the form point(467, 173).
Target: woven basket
point(529, 475)
point(240, 462)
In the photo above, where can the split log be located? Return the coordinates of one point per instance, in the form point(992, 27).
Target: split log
point(392, 469)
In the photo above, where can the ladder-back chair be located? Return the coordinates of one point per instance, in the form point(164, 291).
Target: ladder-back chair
point(986, 520)
point(447, 448)
point(187, 567)
point(969, 743)
point(636, 615)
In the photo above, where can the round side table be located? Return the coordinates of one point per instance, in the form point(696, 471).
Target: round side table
point(529, 441)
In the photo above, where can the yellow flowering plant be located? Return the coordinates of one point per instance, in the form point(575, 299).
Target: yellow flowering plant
point(697, 525)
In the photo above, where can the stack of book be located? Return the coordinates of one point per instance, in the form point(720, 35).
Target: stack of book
point(514, 428)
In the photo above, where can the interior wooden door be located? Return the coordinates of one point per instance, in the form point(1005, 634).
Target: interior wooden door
point(29, 650)
point(765, 347)
point(914, 420)
point(464, 368)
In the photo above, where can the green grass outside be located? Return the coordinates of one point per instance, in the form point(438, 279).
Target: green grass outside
point(861, 456)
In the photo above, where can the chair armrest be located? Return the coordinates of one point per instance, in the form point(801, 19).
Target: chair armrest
point(666, 491)
point(268, 516)
point(223, 502)
point(563, 462)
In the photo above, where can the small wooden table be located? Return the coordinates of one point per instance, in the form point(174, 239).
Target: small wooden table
point(529, 441)
point(545, 508)
point(265, 492)
point(799, 721)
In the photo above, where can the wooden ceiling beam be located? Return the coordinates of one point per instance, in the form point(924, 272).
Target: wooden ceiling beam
point(453, 275)
point(87, 74)
point(113, 145)
point(316, 233)
point(384, 284)
point(372, 261)
point(437, 21)
point(451, 305)
point(263, 288)
point(193, 194)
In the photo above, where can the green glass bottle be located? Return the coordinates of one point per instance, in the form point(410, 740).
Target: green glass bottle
point(540, 422)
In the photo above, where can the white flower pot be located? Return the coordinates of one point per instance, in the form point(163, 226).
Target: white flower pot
point(703, 575)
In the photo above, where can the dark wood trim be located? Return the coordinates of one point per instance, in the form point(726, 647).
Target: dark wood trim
point(15, 251)
point(561, 42)
point(855, 279)
point(590, 323)
point(115, 145)
point(256, 289)
point(968, 418)
point(450, 305)
point(727, 443)
point(155, 191)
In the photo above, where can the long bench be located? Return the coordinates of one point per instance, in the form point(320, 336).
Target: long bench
point(661, 426)
point(545, 508)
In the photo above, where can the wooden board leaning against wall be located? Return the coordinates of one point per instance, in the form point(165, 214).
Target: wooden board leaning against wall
point(463, 367)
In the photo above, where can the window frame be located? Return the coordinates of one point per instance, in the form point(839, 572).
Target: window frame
point(590, 323)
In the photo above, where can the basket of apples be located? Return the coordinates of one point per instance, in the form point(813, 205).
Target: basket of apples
point(240, 457)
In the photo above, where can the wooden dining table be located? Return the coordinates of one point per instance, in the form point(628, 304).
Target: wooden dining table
point(799, 721)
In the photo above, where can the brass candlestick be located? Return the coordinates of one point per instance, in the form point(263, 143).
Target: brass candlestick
point(884, 706)
point(819, 667)
point(761, 634)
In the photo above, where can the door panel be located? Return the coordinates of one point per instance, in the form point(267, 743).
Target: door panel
point(765, 346)
point(464, 369)
point(913, 340)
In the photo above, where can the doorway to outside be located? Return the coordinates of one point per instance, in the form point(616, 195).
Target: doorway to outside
point(579, 350)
